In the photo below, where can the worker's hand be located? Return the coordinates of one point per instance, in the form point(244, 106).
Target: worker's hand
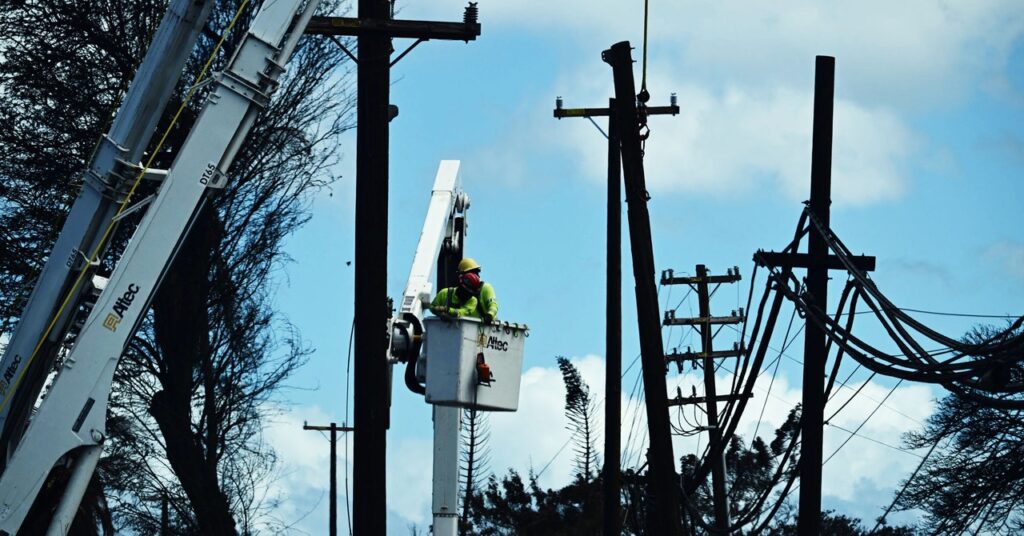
point(488, 318)
point(443, 312)
point(447, 313)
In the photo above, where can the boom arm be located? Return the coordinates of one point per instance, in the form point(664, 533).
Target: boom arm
point(441, 242)
point(442, 236)
point(34, 344)
point(70, 424)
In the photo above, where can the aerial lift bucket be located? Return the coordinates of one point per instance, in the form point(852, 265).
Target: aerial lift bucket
point(472, 364)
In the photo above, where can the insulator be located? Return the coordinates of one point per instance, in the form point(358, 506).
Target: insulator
point(558, 103)
point(472, 14)
point(672, 99)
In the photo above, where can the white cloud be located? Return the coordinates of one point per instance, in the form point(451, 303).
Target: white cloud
point(410, 466)
point(303, 457)
point(744, 73)
point(536, 435)
point(737, 141)
point(303, 485)
point(866, 459)
point(906, 52)
point(533, 435)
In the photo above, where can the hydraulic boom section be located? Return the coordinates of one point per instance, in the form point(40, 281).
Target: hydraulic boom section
point(441, 242)
point(46, 317)
point(69, 427)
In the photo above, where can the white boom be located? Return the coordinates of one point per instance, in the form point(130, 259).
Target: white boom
point(69, 427)
point(441, 239)
point(457, 348)
point(28, 357)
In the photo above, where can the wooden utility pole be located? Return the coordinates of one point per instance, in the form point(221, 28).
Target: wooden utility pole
point(375, 29)
point(707, 357)
point(817, 261)
point(811, 422)
point(666, 518)
point(612, 475)
point(333, 429)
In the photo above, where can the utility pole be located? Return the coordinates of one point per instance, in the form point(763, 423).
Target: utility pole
point(333, 429)
point(818, 262)
point(612, 475)
point(707, 357)
point(374, 30)
point(666, 518)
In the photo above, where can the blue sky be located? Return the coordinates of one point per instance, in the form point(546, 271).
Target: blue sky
point(928, 161)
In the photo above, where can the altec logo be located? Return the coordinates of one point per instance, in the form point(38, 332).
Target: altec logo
point(12, 369)
point(495, 343)
point(121, 307)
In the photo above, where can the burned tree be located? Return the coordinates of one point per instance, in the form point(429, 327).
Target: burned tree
point(184, 449)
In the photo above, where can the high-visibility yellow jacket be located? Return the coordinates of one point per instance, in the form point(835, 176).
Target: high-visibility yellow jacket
point(448, 302)
point(488, 302)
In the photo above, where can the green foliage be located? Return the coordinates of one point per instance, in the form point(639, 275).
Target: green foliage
point(512, 506)
point(580, 410)
point(974, 480)
point(193, 387)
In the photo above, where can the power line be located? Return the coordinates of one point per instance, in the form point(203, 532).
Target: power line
point(937, 313)
point(778, 361)
point(866, 419)
point(348, 381)
point(873, 440)
point(906, 484)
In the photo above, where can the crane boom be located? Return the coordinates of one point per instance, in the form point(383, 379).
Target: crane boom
point(44, 320)
point(69, 427)
point(439, 229)
point(440, 244)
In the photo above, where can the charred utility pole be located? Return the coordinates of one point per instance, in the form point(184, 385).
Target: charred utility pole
point(630, 120)
point(612, 475)
point(818, 262)
point(333, 429)
point(375, 29)
point(707, 357)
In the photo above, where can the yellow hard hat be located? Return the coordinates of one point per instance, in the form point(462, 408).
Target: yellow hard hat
point(468, 264)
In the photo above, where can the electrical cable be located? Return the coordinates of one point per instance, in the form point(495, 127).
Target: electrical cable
point(348, 382)
point(873, 440)
point(843, 252)
point(778, 360)
point(928, 372)
point(906, 484)
point(643, 79)
point(828, 345)
point(861, 425)
point(925, 372)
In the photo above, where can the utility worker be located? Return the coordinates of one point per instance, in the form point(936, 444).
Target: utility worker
point(458, 301)
point(487, 300)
